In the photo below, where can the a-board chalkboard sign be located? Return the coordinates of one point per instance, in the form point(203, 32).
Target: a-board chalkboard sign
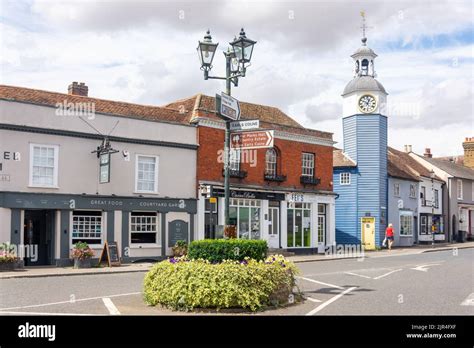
point(110, 254)
point(177, 230)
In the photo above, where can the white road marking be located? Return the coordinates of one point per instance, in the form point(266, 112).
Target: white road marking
point(359, 275)
point(469, 301)
point(110, 306)
point(386, 274)
point(328, 302)
point(423, 268)
point(317, 282)
point(44, 313)
point(69, 301)
point(313, 299)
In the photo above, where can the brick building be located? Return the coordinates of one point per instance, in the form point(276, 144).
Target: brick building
point(283, 194)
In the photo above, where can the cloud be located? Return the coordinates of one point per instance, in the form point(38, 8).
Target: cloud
point(144, 51)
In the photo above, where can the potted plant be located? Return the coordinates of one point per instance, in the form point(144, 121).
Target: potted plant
point(8, 259)
point(82, 254)
point(180, 248)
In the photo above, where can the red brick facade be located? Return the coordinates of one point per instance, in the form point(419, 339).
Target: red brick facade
point(211, 140)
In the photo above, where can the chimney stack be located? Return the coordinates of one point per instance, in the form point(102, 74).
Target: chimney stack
point(468, 146)
point(428, 153)
point(407, 148)
point(78, 89)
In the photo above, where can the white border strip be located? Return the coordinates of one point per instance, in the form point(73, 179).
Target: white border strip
point(335, 298)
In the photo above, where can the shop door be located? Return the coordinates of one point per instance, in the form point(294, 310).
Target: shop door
point(274, 227)
point(368, 233)
point(38, 234)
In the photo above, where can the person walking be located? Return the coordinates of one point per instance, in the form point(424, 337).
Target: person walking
point(389, 236)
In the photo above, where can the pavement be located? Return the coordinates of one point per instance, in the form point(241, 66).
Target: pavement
point(427, 283)
point(53, 271)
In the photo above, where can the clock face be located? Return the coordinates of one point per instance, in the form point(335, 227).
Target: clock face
point(367, 103)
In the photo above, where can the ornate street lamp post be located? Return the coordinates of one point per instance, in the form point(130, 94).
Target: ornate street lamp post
point(237, 59)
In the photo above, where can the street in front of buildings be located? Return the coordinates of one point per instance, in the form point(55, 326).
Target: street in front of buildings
point(433, 283)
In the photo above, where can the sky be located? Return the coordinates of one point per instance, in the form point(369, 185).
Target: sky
point(145, 52)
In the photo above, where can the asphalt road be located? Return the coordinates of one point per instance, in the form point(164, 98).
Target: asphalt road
point(423, 284)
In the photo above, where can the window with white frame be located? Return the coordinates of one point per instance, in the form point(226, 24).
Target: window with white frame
point(406, 224)
point(436, 198)
point(271, 162)
point(146, 174)
point(307, 164)
point(245, 214)
point(234, 159)
point(423, 196)
point(412, 191)
point(144, 228)
point(345, 178)
point(87, 227)
point(44, 165)
point(423, 224)
point(459, 184)
point(396, 189)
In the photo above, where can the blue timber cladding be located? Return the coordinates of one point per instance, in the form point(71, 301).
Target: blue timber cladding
point(346, 207)
point(365, 141)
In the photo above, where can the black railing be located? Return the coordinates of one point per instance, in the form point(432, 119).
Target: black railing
point(236, 173)
point(274, 177)
point(309, 180)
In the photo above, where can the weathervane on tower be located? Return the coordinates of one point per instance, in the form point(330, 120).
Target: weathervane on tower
point(364, 27)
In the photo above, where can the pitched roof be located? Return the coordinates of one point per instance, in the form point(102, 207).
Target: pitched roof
point(401, 165)
point(454, 169)
point(182, 111)
point(455, 159)
point(269, 116)
point(341, 159)
point(117, 108)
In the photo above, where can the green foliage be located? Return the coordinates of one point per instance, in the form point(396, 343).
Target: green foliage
point(217, 250)
point(185, 284)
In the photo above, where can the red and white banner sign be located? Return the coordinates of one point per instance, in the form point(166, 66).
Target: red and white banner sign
point(252, 140)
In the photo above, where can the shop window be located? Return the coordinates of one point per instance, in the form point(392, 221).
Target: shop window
point(299, 225)
point(406, 225)
point(87, 227)
point(144, 228)
point(245, 214)
point(44, 165)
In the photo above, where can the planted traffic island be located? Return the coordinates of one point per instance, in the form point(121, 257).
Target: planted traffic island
point(222, 274)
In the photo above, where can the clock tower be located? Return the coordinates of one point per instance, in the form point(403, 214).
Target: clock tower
point(365, 143)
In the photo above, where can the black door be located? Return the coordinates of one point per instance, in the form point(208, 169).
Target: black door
point(38, 236)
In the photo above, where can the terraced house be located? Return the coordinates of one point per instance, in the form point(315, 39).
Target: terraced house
point(281, 194)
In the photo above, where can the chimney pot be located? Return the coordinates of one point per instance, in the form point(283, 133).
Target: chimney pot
point(407, 148)
point(78, 89)
point(428, 153)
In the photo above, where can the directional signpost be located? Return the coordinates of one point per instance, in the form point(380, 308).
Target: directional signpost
point(252, 140)
point(244, 125)
point(227, 106)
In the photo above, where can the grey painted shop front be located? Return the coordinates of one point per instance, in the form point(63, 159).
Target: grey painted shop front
point(144, 228)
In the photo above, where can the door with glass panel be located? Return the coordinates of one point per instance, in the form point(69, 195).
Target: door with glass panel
point(274, 227)
point(321, 227)
point(299, 225)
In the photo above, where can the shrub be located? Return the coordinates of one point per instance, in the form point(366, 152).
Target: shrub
point(184, 284)
point(217, 250)
point(7, 253)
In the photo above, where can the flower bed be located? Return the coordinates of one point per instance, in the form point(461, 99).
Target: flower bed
point(185, 284)
point(8, 260)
